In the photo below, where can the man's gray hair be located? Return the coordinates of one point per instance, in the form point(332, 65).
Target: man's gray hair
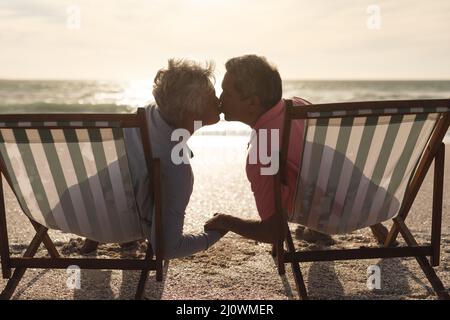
point(254, 75)
point(181, 87)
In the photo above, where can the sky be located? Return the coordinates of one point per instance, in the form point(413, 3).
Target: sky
point(314, 39)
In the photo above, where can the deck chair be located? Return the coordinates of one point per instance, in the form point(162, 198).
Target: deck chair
point(363, 163)
point(70, 172)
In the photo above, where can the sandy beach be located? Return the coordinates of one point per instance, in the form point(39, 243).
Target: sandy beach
point(236, 268)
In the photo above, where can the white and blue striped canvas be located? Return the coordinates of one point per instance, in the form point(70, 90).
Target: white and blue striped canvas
point(74, 180)
point(355, 170)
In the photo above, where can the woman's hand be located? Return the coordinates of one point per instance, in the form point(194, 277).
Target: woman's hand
point(219, 222)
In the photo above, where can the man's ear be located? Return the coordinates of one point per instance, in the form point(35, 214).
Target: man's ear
point(255, 104)
point(255, 101)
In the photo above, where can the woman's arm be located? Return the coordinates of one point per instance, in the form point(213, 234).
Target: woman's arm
point(262, 231)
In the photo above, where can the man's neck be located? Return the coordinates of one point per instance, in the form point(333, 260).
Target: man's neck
point(252, 122)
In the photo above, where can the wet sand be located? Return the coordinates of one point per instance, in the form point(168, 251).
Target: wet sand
point(236, 268)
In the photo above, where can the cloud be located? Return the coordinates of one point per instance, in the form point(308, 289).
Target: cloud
point(50, 11)
point(304, 38)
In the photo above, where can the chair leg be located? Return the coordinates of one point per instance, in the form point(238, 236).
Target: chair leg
point(144, 274)
point(4, 242)
point(48, 243)
point(159, 270)
point(299, 282)
point(438, 189)
point(274, 250)
point(392, 236)
point(279, 255)
point(433, 278)
point(380, 233)
point(425, 265)
point(12, 284)
point(141, 285)
point(278, 245)
point(416, 182)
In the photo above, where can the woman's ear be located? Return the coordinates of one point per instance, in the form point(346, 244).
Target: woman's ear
point(187, 122)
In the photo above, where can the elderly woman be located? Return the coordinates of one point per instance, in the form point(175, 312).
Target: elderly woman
point(184, 93)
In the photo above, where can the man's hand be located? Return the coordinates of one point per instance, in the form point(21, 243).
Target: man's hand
point(219, 222)
point(261, 231)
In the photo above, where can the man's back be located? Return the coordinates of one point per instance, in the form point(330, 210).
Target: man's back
point(263, 184)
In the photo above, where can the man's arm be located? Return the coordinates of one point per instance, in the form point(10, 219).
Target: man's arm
point(262, 231)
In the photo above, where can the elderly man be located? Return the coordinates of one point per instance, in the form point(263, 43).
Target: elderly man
point(184, 93)
point(252, 91)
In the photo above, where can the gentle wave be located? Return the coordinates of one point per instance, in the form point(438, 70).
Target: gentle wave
point(43, 107)
point(43, 96)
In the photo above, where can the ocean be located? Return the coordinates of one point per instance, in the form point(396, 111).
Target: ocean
point(40, 96)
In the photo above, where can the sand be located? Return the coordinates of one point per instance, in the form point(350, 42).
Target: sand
point(236, 268)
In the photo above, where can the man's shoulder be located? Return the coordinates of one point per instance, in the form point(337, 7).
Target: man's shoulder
point(298, 102)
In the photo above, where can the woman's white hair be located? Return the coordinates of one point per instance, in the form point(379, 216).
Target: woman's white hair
point(181, 87)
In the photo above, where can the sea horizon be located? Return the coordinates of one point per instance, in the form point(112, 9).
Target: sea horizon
point(53, 95)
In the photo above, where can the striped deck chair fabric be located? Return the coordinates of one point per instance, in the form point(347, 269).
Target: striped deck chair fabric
point(76, 180)
point(355, 168)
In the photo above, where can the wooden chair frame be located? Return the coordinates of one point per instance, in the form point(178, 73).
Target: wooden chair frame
point(435, 150)
point(153, 259)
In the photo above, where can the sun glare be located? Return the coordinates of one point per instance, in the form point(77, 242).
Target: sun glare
point(137, 93)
